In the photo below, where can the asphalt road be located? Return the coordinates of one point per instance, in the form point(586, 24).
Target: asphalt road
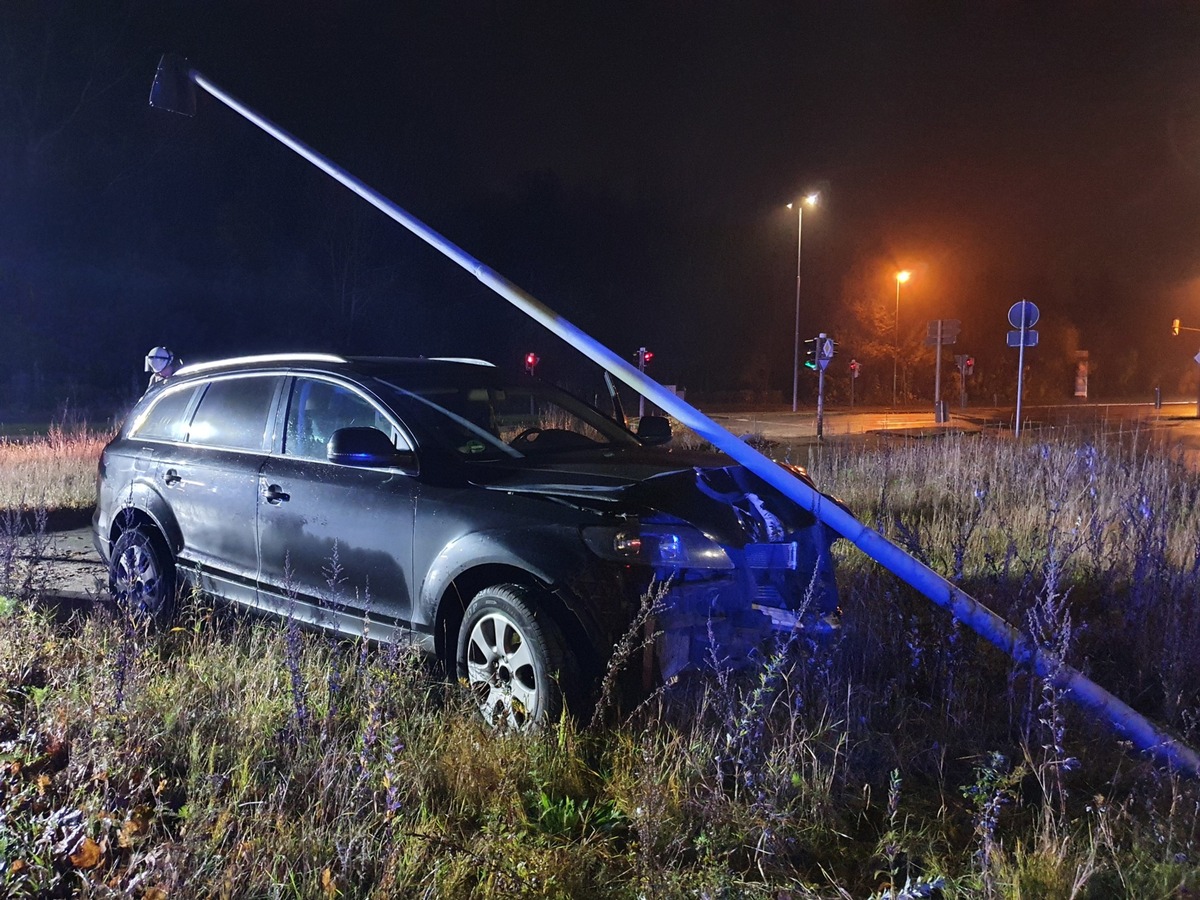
point(1175, 423)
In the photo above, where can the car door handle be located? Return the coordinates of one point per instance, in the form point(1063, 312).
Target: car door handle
point(275, 494)
point(172, 477)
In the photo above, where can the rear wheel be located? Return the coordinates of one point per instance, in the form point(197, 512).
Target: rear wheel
point(512, 656)
point(141, 574)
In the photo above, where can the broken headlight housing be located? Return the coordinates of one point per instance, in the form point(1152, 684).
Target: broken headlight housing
point(660, 545)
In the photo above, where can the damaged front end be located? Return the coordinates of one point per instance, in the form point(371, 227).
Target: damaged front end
point(738, 564)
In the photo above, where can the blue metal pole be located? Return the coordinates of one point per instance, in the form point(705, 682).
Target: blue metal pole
point(1128, 723)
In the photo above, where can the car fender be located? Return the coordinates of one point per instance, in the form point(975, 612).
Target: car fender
point(144, 496)
point(548, 554)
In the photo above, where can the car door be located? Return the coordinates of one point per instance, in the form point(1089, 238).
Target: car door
point(211, 482)
point(335, 541)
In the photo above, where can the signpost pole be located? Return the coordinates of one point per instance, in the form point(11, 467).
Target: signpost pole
point(1197, 359)
point(822, 361)
point(937, 377)
point(1020, 374)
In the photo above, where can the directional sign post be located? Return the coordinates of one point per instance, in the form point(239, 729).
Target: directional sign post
point(941, 331)
point(1022, 316)
point(825, 351)
point(1197, 358)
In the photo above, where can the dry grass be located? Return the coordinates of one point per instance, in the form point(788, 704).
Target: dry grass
point(55, 472)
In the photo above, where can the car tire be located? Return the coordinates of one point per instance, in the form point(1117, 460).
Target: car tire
point(141, 574)
point(512, 656)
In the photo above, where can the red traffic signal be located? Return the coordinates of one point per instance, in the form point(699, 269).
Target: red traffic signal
point(531, 361)
point(969, 366)
point(855, 365)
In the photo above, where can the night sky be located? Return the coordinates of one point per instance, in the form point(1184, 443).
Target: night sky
point(627, 163)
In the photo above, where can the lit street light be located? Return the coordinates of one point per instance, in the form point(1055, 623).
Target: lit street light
point(810, 200)
point(901, 277)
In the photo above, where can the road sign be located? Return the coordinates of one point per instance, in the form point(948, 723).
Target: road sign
point(1014, 338)
point(1197, 357)
point(1023, 314)
point(826, 354)
point(949, 329)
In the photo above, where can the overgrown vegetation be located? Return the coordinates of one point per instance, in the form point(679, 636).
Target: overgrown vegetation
point(230, 757)
point(53, 472)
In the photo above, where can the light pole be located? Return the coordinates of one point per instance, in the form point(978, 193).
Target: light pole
point(901, 277)
point(810, 200)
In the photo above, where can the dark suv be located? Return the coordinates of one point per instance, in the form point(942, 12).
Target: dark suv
point(503, 525)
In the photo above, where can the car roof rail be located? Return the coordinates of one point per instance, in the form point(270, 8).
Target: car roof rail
point(258, 360)
point(463, 359)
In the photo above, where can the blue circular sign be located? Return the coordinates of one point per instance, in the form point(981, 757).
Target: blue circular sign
point(1023, 314)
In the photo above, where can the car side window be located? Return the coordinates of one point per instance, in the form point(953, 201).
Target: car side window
point(164, 418)
point(234, 413)
point(319, 408)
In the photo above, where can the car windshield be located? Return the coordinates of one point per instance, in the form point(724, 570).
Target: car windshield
point(490, 418)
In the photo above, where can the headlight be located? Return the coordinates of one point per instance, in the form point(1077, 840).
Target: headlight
point(661, 546)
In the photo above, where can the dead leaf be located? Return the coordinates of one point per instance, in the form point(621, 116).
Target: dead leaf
point(87, 856)
point(154, 893)
point(43, 782)
point(137, 823)
point(328, 882)
point(18, 866)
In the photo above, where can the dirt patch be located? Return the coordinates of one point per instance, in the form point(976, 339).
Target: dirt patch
point(68, 572)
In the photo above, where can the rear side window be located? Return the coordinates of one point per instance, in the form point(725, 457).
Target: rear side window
point(164, 418)
point(234, 413)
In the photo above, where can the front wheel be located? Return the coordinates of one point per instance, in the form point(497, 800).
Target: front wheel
point(511, 655)
point(141, 574)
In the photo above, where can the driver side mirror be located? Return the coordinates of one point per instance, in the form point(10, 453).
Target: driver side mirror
point(368, 448)
point(654, 430)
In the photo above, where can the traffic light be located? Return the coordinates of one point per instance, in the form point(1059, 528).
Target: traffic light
point(643, 356)
point(969, 365)
point(811, 349)
point(854, 367)
point(531, 361)
point(1174, 326)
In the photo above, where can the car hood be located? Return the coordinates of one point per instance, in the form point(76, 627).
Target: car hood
point(598, 474)
point(710, 490)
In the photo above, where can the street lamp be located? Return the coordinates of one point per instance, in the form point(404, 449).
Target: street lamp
point(810, 200)
point(901, 277)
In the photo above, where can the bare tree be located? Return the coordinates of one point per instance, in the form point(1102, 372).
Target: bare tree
point(359, 276)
